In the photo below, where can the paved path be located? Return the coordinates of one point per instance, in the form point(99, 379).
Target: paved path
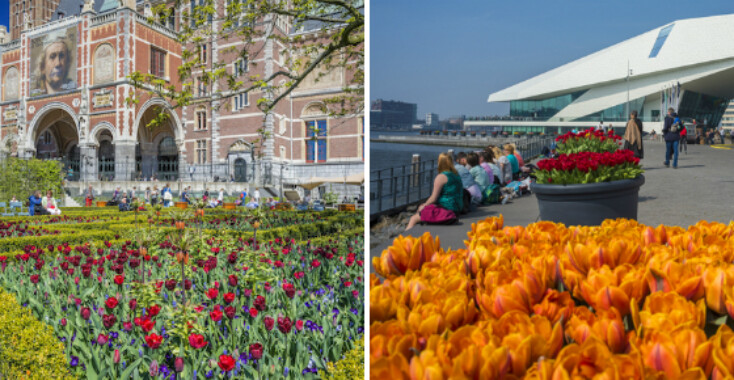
point(702, 188)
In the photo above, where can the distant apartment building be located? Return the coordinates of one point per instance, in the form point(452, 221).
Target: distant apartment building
point(431, 120)
point(390, 114)
point(727, 121)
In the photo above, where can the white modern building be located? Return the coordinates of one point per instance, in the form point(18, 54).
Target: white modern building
point(687, 64)
point(431, 120)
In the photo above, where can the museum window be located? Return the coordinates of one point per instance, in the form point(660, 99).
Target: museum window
point(241, 66)
point(241, 101)
point(201, 118)
point(202, 53)
point(316, 142)
point(201, 151)
point(157, 62)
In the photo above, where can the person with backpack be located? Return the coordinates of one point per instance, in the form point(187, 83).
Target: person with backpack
point(672, 138)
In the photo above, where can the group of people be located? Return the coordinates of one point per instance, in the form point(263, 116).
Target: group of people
point(470, 179)
point(38, 205)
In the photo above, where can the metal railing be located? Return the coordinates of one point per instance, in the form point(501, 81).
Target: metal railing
point(400, 186)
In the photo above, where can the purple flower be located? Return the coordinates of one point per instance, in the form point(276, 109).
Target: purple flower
point(74, 361)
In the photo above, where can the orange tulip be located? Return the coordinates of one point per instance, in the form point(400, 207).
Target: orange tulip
point(668, 311)
point(715, 281)
point(723, 353)
point(393, 367)
point(685, 279)
point(406, 253)
point(606, 288)
point(555, 306)
point(382, 303)
point(586, 361)
point(675, 352)
point(388, 339)
point(606, 326)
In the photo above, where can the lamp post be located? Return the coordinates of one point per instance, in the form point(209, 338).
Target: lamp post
point(629, 73)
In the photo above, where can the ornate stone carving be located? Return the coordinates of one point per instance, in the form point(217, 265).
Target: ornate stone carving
point(104, 64)
point(11, 84)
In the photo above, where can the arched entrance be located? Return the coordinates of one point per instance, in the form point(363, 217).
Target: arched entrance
point(167, 159)
point(55, 138)
point(240, 170)
point(156, 153)
point(105, 156)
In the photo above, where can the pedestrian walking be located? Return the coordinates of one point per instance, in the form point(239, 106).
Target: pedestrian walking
point(672, 138)
point(683, 137)
point(633, 135)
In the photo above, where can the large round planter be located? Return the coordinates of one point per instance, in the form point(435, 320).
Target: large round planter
point(588, 204)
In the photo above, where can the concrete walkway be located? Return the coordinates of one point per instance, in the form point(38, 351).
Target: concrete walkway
point(702, 188)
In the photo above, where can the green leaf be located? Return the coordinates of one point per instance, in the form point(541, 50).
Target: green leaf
point(129, 370)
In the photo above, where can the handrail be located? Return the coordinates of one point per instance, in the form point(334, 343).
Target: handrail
point(155, 26)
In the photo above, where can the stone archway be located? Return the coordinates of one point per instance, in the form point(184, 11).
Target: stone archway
point(53, 135)
point(157, 152)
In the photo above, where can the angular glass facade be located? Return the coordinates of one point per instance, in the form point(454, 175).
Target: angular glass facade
point(542, 109)
point(702, 107)
point(616, 113)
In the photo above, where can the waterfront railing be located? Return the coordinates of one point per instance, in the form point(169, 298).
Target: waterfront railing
point(395, 188)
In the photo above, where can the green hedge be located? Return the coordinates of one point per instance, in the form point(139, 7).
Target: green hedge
point(349, 368)
point(18, 243)
point(28, 347)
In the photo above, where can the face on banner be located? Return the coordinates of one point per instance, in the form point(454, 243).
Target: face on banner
point(53, 62)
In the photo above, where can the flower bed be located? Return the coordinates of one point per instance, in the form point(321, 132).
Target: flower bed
point(191, 302)
point(621, 300)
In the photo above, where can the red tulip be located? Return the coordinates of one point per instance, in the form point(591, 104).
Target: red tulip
point(259, 303)
point(284, 324)
point(111, 303)
point(253, 312)
point(269, 322)
point(116, 357)
point(109, 320)
point(299, 325)
point(178, 364)
point(228, 297)
point(197, 341)
point(212, 294)
point(226, 363)
point(133, 304)
point(256, 350)
point(289, 289)
point(86, 313)
point(154, 310)
point(153, 340)
point(232, 280)
point(216, 315)
point(147, 325)
point(35, 278)
point(102, 339)
point(229, 311)
point(119, 279)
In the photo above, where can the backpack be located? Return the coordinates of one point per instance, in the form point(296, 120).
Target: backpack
point(491, 194)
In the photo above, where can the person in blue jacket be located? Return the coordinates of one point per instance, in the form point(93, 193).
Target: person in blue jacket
point(34, 200)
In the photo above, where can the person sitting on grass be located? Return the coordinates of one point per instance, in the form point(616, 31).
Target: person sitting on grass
point(123, 205)
point(35, 204)
point(446, 200)
point(49, 203)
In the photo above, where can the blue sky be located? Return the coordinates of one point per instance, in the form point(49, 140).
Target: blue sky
point(448, 56)
point(4, 11)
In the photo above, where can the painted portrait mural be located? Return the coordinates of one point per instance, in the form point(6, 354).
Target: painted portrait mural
point(53, 62)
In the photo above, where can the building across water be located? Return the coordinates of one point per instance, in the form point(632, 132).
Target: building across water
point(687, 65)
point(65, 90)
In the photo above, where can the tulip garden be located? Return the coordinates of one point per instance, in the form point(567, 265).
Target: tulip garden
point(616, 301)
point(201, 294)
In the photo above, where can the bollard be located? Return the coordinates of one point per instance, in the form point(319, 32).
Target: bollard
point(415, 168)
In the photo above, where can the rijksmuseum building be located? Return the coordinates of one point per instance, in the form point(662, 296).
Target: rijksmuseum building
point(64, 68)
